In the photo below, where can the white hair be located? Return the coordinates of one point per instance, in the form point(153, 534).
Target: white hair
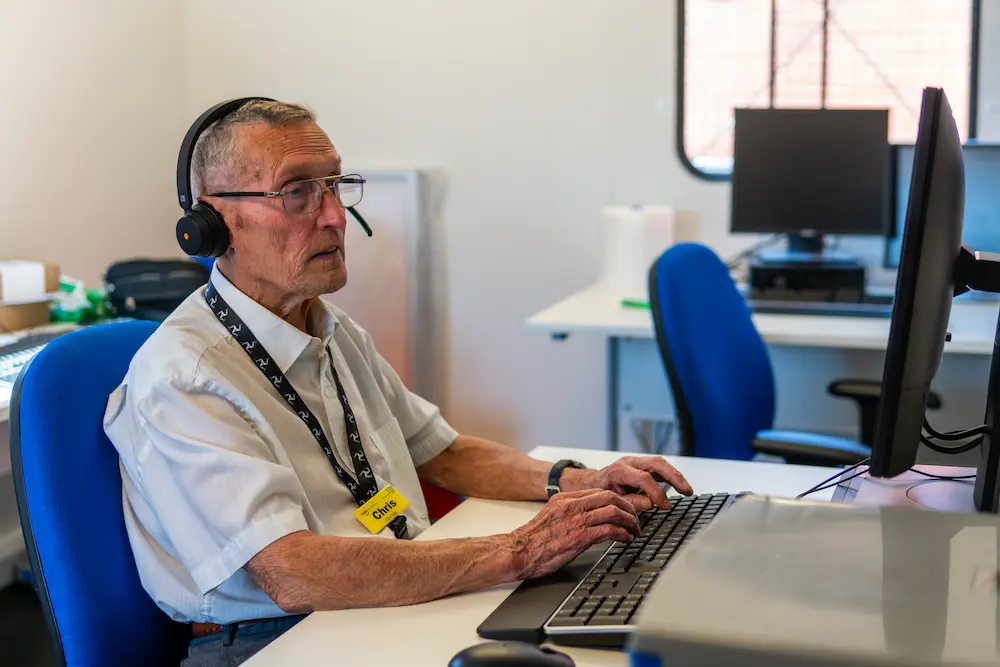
point(216, 157)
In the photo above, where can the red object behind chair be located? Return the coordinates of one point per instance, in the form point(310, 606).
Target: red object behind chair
point(439, 501)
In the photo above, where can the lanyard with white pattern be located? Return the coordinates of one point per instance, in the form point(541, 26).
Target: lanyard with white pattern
point(363, 485)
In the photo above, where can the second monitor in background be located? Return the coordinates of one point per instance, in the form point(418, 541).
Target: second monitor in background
point(809, 172)
point(981, 227)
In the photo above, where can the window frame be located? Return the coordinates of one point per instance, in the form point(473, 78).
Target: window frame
point(974, 45)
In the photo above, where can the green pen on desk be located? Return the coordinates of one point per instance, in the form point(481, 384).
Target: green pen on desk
point(630, 303)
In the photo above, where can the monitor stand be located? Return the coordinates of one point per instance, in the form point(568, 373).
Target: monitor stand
point(973, 271)
point(912, 489)
point(806, 249)
point(981, 271)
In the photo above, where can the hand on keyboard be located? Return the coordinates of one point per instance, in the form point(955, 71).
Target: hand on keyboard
point(569, 524)
point(637, 478)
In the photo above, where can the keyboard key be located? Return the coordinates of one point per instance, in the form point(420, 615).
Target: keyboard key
point(604, 619)
point(564, 622)
point(617, 584)
point(624, 563)
point(643, 567)
point(605, 610)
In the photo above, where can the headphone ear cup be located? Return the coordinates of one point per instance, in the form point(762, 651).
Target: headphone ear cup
point(202, 232)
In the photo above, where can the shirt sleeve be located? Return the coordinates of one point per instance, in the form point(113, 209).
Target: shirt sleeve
point(426, 432)
point(216, 488)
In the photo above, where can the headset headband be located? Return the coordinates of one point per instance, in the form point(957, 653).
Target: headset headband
point(221, 110)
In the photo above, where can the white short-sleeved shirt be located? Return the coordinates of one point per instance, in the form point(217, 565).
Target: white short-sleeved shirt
point(216, 466)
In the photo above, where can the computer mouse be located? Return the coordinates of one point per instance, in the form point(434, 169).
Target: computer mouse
point(510, 654)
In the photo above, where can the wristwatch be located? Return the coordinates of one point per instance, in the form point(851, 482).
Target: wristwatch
point(552, 488)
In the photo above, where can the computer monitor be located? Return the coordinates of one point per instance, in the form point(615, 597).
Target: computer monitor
point(981, 226)
point(809, 172)
point(932, 240)
point(933, 268)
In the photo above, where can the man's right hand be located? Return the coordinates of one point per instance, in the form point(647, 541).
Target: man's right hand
point(569, 524)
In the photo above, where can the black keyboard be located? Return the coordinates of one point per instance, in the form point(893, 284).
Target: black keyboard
point(14, 355)
point(873, 305)
point(597, 606)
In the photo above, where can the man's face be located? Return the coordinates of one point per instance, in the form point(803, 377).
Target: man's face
point(301, 255)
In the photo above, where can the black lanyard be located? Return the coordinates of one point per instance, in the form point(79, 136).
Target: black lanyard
point(363, 485)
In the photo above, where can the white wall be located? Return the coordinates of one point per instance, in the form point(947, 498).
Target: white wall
point(540, 112)
point(516, 100)
point(89, 123)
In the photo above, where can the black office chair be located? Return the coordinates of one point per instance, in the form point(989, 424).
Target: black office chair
point(720, 372)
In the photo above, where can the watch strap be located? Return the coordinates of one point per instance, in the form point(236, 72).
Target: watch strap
point(552, 488)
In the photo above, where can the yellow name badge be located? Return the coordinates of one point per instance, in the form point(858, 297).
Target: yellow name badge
point(382, 508)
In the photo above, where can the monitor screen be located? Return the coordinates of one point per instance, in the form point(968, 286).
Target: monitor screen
point(981, 227)
point(826, 171)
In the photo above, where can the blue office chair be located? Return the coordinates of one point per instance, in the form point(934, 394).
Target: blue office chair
point(207, 262)
point(69, 495)
point(719, 369)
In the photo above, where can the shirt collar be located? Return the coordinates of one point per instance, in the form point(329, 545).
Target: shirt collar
point(283, 342)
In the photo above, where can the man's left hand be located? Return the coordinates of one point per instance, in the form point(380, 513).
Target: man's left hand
point(627, 475)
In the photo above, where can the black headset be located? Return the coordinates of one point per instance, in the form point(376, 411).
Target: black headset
point(201, 231)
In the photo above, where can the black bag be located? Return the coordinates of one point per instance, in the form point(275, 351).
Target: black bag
point(150, 289)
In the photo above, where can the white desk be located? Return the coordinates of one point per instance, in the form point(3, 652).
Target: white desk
point(594, 310)
point(431, 634)
point(636, 379)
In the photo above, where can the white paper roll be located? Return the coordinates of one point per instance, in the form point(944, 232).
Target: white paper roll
point(634, 236)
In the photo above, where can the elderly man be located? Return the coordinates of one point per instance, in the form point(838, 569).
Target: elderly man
point(267, 449)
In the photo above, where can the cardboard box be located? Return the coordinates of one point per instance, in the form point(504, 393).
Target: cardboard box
point(26, 306)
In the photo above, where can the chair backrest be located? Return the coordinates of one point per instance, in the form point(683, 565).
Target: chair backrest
point(716, 362)
point(69, 495)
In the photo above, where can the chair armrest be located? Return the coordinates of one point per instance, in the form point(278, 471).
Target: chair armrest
point(861, 390)
point(867, 394)
point(810, 448)
point(853, 388)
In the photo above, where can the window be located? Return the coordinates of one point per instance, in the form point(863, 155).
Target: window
point(815, 54)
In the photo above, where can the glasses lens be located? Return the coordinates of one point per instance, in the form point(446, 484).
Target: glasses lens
point(303, 197)
point(349, 190)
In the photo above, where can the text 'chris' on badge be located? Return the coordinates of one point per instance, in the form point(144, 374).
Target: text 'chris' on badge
point(382, 508)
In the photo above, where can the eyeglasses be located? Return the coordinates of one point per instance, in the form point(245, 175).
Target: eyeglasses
point(303, 197)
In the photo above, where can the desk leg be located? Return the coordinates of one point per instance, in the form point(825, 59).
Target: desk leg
point(613, 389)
